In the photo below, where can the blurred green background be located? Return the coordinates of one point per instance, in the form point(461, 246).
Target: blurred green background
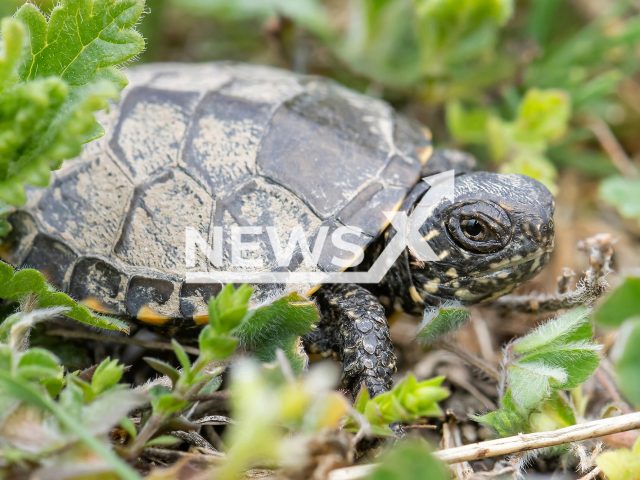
point(549, 88)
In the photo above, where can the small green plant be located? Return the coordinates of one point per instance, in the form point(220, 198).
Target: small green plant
point(621, 464)
point(557, 356)
point(439, 321)
point(30, 288)
point(54, 73)
point(410, 460)
point(408, 401)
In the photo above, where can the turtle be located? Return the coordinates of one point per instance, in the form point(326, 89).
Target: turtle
point(230, 145)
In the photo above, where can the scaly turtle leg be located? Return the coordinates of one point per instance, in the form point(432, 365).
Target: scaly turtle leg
point(354, 327)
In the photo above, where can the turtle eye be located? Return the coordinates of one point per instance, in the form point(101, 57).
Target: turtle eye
point(473, 229)
point(480, 227)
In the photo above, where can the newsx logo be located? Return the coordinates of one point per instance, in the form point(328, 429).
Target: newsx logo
point(407, 235)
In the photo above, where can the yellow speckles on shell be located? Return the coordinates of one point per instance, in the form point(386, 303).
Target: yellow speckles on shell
point(96, 305)
point(415, 296)
point(146, 315)
point(443, 255)
point(464, 294)
point(432, 285)
point(201, 319)
point(431, 234)
point(452, 272)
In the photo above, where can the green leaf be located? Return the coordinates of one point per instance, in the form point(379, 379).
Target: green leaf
point(309, 14)
point(30, 394)
point(230, 308)
point(509, 419)
point(16, 285)
point(543, 115)
point(410, 460)
point(39, 364)
point(467, 126)
point(279, 325)
point(215, 347)
point(129, 427)
point(438, 321)
point(573, 326)
point(183, 358)
point(620, 304)
point(626, 356)
point(408, 401)
point(621, 464)
point(106, 376)
point(163, 441)
point(82, 41)
point(163, 368)
point(555, 413)
point(622, 193)
point(211, 386)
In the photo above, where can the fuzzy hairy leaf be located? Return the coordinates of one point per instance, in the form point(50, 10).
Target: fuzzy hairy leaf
point(82, 41)
point(509, 419)
point(573, 326)
point(279, 325)
point(16, 285)
point(439, 321)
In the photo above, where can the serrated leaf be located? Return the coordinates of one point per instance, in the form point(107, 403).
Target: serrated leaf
point(439, 321)
point(82, 40)
point(578, 361)
point(620, 304)
point(279, 325)
point(570, 327)
point(15, 285)
point(230, 308)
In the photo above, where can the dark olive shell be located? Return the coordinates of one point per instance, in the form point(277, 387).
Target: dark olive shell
point(211, 144)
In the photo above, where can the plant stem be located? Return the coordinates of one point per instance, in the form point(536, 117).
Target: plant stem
point(518, 443)
point(145, 435)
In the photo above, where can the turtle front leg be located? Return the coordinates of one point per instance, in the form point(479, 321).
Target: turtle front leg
point(354, 327)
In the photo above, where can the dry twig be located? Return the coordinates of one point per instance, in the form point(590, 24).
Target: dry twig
point(123, 340)
point(518, 443)
point(589, 288)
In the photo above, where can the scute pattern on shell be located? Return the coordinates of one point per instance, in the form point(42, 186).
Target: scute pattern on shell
point(203, 145)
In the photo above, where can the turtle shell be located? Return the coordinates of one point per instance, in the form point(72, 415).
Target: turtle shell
point(209, 145)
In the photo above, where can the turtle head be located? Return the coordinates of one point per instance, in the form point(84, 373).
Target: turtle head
point(496, 235)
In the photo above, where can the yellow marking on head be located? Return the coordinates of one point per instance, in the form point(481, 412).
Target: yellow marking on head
point(443, 255)
point(501, 263)
point(97, 305)
point(431, 234)
point(502, 275)
point(425, 154)
point(427, 132)
point(465, 294)
point(452, 272)
point(146, 315)
point(415, 296)
point(432, 285)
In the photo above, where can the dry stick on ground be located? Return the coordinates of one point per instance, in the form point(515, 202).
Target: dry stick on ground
point(470, 358)
point(610, 144)
point(592, 474)
point(589, 288)
point(449, 429)
point(124, 340)
point(515, 444)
